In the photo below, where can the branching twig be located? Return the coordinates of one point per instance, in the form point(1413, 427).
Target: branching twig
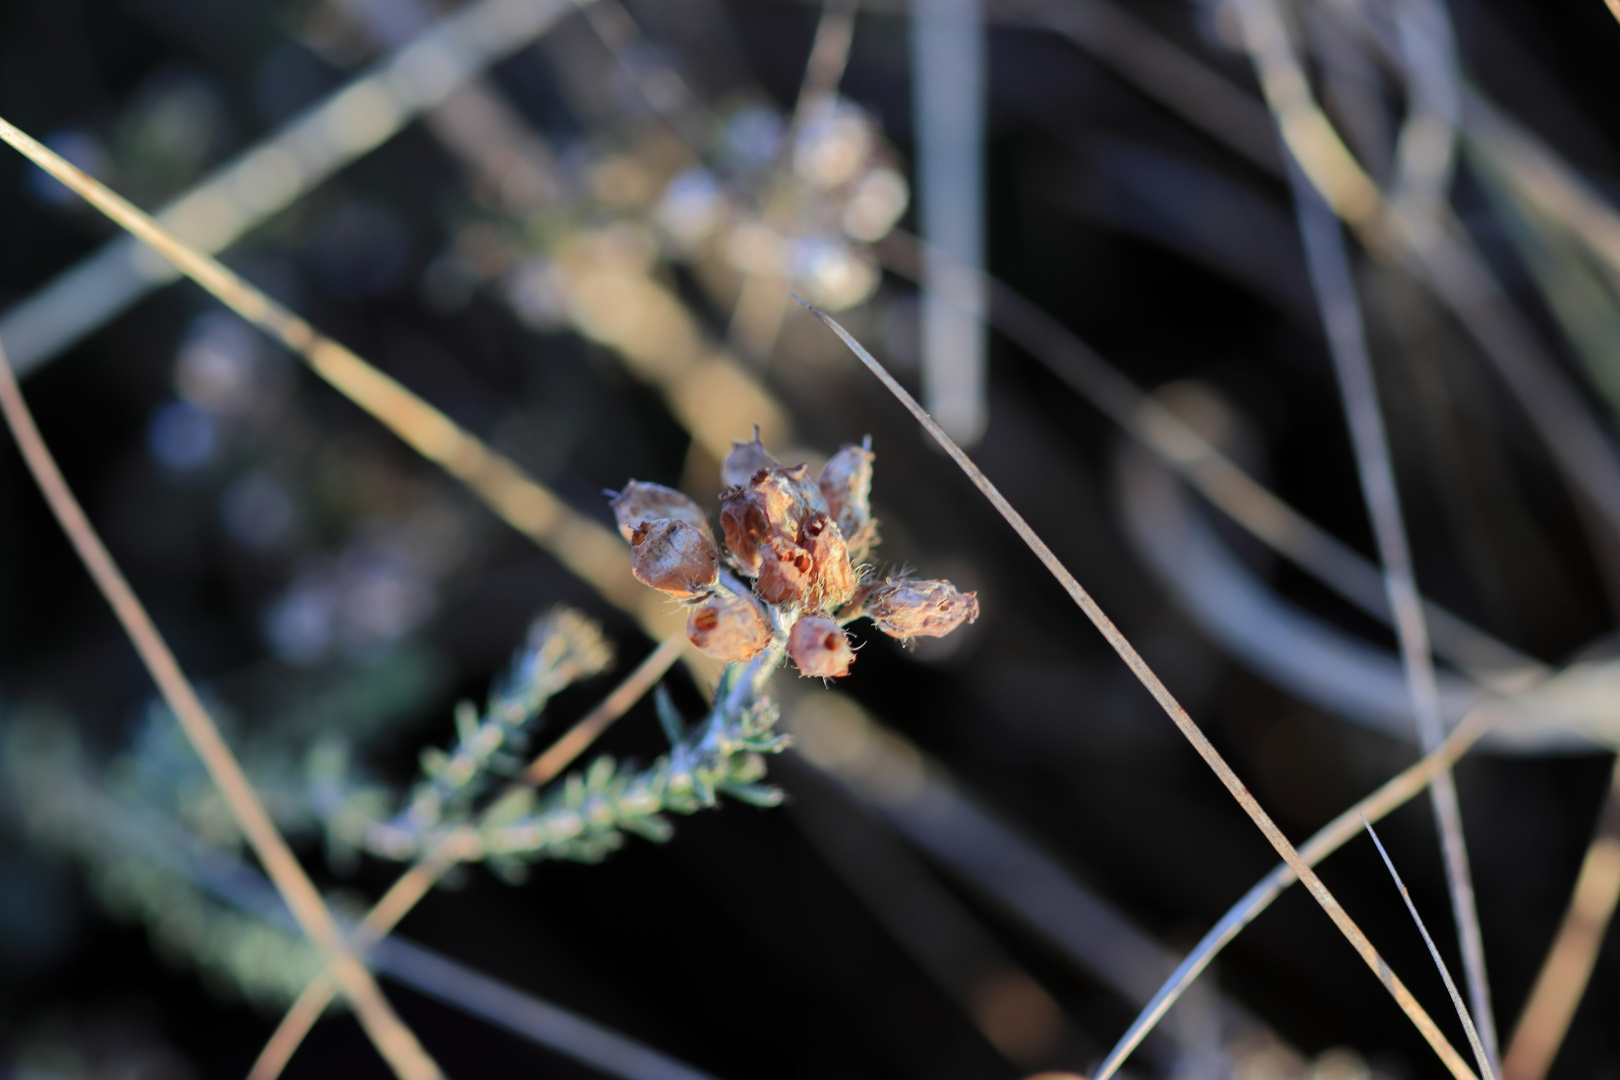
point(416, 882)
point(1178, 715)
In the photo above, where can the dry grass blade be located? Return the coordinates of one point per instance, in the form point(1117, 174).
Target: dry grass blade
point(590, 550)
point(1564, 974)
point(416, 882)
point(1335, 291)
point(1395, 792)
point(1178, 715)
point(1451, 987)
point(392, 1038)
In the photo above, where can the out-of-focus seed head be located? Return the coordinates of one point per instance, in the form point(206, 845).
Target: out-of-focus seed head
point(745, 459)
point(728, 627)
point(819, 648)
point(908, 609)
point(786, 571)
point(833, 573)
point(641, 501)
point(675, 557)
point(846, 484)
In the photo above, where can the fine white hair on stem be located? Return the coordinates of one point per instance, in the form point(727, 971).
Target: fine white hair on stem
point(1334, 287)
point(1178, 715)
point(1485, 1065)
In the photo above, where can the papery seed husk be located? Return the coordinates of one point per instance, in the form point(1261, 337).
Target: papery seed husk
point(675, 557)
point(746, 526)
point(908, 609)
point(745, 459)
point(819, 648)
point(641, 501)
point(833, 573)
point(728, 627)
point(846, 484)
point(786, 572)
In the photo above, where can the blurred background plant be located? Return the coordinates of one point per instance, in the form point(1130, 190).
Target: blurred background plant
point(574, 229)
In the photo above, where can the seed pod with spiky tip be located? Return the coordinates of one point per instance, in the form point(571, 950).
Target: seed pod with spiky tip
point(786, 571)
point(641, 501)
point(834, 578)
point(675, 557)
point(908, 609)
point(728, 627)
point(846, 484)
point(819, 648)
point(745, 459)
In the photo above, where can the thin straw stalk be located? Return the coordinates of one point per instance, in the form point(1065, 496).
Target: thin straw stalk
point(1394, 793)
point(1451, 987)
point(1178, 715)
point(393, 1039)
point(1336, 298)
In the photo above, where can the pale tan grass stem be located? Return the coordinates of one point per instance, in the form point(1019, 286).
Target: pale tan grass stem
point(393, 1039)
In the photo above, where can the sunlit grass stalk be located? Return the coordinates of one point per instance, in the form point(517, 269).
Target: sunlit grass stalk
point(1486, 1066)
point(1568, 967)
point(1394, 793)
point(1178, 715)
point(588, 549)
point(393, 1039)
point(1334, 287)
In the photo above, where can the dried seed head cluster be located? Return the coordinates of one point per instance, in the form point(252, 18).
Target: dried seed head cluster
point(804, 543)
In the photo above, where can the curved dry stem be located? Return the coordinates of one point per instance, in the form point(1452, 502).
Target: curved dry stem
point(1178, 715)
point(393, 1039)
point(1445, 974)
point(419, 880)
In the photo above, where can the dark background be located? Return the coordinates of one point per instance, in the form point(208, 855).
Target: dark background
point(737, 947)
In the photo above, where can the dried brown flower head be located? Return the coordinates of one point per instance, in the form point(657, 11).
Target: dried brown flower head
point(728, 627)
point(908, 609)
point(819, 648)
point(773, 503)
point(674, 556)
point(641, 501)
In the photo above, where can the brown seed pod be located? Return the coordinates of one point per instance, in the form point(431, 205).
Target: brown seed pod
point(908, 609)
point(728, 627)
point(745, 459)
point(675, 557)
point(641, 501)
point(746, 525)
point(786, 571)
point(846, 484)
point(819, 648)
point(834, 575)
